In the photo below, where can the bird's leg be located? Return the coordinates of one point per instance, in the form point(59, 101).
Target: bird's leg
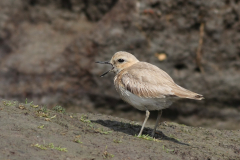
point(157, 122)
point(146, 118)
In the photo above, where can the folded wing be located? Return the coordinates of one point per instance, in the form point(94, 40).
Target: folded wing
point(148, 81)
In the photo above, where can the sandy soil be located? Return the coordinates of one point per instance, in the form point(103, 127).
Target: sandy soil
point(29, 131)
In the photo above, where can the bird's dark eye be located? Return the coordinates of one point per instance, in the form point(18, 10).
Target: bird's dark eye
point(120, 60)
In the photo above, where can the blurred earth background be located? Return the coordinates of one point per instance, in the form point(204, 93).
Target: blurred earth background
point(48, 51)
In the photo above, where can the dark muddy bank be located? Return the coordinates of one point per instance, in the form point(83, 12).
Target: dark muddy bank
point(48, 50)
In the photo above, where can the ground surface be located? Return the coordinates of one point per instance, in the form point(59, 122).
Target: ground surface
point(30, 131)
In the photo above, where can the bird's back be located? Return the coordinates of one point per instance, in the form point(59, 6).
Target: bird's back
point(148, 81)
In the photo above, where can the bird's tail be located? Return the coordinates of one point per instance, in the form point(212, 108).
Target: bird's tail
point(198, 97)
point(184, 93)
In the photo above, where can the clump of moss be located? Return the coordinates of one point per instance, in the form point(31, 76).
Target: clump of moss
point(50, 146)
point(59, 109)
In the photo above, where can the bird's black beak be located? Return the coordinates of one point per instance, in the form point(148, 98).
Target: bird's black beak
point(107, 71)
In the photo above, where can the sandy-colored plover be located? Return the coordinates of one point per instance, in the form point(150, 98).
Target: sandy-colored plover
point(145, 86)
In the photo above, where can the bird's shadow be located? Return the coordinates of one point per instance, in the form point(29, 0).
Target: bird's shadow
point(132, 129)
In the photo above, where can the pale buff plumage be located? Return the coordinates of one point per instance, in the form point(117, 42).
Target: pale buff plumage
point(145, 86)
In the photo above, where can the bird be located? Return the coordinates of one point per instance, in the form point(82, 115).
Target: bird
point(145, 86)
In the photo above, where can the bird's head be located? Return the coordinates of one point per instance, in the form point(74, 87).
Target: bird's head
point(120, 60)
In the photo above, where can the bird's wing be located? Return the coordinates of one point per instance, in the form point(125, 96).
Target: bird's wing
point(148, 81)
